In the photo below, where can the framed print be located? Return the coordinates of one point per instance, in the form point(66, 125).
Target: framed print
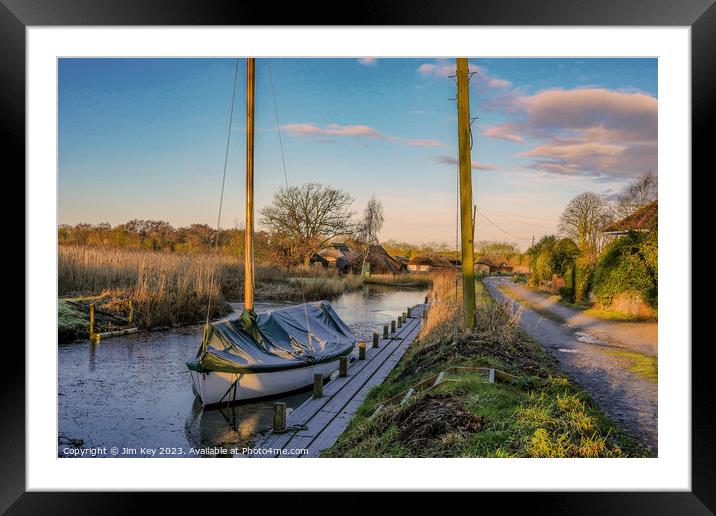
point(419, 252)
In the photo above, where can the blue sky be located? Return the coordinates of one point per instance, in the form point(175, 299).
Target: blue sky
point(144, 138)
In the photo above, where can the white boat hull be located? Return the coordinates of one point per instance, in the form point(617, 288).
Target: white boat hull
point(216, 388)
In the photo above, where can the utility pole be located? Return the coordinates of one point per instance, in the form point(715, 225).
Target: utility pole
point(249, 230)
point(466, 219)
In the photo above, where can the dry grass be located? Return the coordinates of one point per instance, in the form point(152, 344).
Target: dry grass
point(170, 289)
point(411, 279)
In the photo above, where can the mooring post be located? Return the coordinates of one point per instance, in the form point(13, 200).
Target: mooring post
point(400, 321)
point(343, 367)
point(408, 312)
point(279, 416)
point(385, 331)
point(92, 337)
point(131, 312)
point(317, 385)
point(361, 350)
point(392, 326)
point(405, 317)
point(375, 340)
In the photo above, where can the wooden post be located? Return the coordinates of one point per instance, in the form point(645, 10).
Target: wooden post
point(466, 230)
point(385, 331)
point(249, 227)
point(92, 337)
point(376, 340)
point(361, 350)
point(279, 416)
point(405, 317)
point(343, 367)
point(408, 313)
point(131, 313)
point(317, 385)
point(400, 321)
point(392, 326)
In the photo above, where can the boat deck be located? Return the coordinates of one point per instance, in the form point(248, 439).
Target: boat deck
point(318, 422)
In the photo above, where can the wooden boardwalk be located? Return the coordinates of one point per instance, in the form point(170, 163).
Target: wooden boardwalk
point(318, 422)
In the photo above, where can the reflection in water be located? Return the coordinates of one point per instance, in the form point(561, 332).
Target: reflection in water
point(135, 391)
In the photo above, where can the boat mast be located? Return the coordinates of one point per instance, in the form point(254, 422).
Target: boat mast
point(466, 219)
point(249, 230)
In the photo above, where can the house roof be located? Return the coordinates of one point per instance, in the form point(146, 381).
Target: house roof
point(433, 260)
point(492, 261)
point(381, 262)
point(643, 219)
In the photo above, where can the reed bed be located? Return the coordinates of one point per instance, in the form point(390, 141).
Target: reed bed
point(413, 279)
point(170, 289)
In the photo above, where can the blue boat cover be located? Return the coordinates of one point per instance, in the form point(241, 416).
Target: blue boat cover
point(297, 336)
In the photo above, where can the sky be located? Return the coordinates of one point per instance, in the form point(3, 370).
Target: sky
point(146, 138)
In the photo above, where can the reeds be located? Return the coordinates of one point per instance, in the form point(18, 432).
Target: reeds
point(170, 289)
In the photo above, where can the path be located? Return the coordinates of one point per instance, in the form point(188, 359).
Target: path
point(318, 422)
point(641, 336)
point(622, 395)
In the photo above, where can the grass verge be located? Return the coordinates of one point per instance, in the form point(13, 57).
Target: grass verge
point(646, 366)
point(542, 414)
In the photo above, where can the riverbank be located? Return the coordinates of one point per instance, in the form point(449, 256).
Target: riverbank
point(542, 414)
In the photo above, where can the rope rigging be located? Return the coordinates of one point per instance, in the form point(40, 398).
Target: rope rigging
point(221, 196)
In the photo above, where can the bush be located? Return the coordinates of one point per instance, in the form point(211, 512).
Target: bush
point(543, 266)
point(583, 279)
point(628, 264)
point(567, 294)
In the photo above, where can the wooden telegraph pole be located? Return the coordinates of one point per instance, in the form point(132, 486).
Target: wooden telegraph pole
point(466, 221)
point(249, 231)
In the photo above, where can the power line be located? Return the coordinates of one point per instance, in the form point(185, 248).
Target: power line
point(498, 227)
point(521, 216)
point(532, 224)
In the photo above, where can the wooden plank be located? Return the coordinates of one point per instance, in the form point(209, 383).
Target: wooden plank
point(318, 422)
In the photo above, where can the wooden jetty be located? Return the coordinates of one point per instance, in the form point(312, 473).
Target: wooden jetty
point(319, 421)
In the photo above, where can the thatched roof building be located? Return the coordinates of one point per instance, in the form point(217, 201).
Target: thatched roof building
point(428, 262)
point(382, 263)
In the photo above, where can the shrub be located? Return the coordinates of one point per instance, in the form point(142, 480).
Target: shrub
point(543, 266)
point(627, 264)
point(583, 278)
point(567, 293)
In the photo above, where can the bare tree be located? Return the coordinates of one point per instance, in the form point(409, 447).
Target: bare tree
point(308, 216)
point(372, 222)
point(583, 220)
point(636, 195)
point(369, 227)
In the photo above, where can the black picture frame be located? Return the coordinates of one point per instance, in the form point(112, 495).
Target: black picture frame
point(700, 15)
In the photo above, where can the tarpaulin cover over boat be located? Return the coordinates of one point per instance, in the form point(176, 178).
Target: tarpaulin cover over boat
point(288, 338)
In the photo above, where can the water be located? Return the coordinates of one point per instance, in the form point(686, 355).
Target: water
point(134, 392)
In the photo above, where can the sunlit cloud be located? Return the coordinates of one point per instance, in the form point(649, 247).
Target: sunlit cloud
point(333, 131)
point(368, 61)
point(502, 132)
point(594, 132)
point(447, 68)
point(337, 130)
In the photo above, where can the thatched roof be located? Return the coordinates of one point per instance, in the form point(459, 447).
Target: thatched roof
point(433, 260)
point(492, 261)
point(381, 262)
point(643, 219)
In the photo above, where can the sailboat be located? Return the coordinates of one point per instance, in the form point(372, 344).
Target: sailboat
point(267, 354)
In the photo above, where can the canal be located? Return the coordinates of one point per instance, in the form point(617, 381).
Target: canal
point(135, 391)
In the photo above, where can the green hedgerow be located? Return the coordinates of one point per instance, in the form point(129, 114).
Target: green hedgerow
point(627, 264)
